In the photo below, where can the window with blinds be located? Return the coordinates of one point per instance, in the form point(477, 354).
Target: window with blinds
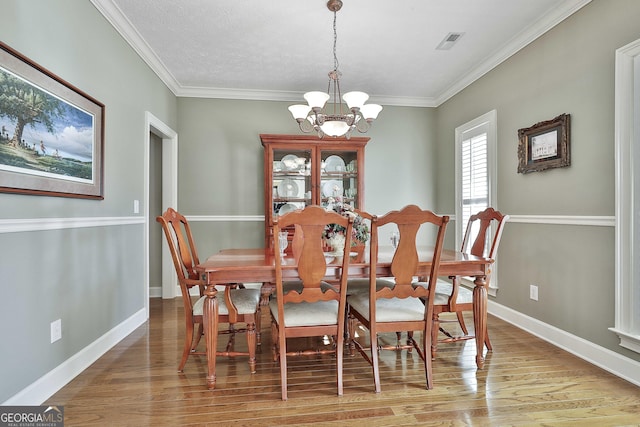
point(474, 179)
point(475, 173)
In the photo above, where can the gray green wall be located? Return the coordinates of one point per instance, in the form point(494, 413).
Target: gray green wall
point(92, 278)
point(221, 164)
point(570, 69)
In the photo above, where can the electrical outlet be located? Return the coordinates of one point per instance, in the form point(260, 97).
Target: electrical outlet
point(56, 330)
point(533, 292)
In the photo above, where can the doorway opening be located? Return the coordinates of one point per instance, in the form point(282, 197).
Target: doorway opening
point(158, 132)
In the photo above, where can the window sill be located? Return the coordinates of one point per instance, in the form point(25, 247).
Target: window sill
point(627, 340)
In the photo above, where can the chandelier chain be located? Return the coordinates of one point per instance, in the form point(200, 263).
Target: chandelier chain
point(335, 42)
point(334, 76)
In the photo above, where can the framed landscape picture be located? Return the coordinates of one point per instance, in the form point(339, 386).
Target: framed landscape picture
point(51, 133)
point(545, 145)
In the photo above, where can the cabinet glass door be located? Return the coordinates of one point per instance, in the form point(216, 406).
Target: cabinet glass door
point(291, 182)
point(339, 177)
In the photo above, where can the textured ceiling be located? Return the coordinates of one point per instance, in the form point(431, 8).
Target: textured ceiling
point(251, 49)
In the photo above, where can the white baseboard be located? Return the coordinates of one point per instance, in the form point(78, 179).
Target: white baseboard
point(53, 381)
point(155, 291)
point(606, 359)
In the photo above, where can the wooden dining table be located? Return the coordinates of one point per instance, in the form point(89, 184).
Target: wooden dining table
point(230, 266)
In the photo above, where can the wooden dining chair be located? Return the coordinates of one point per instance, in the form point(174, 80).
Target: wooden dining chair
point(235, 304)
point(398, 307)
point(304, 304)
point(484, 229)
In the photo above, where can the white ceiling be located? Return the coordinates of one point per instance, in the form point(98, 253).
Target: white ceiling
point(279, 49)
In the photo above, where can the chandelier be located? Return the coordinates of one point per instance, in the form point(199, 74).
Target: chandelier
point(335, 120)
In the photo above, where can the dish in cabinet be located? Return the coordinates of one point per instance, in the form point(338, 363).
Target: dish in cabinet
point(332, 188)
point(291, 162)
point(286, 208)
point(334, 164)
point(288, 188)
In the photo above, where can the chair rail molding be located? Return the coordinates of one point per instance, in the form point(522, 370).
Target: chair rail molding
point(41, 224)
point(38, 224)
point(225, 218)
point(598, 221)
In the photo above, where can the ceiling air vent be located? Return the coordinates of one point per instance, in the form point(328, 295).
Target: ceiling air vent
point(448, 42)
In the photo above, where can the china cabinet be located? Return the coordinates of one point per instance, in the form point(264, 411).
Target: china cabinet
point(302, 170)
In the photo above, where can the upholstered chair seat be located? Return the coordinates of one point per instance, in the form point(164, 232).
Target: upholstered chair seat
point(245, 301)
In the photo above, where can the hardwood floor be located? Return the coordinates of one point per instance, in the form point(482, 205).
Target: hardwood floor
point(525, 382)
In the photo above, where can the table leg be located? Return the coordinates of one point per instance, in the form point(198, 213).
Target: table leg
point(480, 317)
point(210, 322)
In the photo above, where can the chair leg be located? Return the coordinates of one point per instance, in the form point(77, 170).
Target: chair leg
point(188, 345)
point(251, 343)
point(435, 327)
point(373, 338)
point(274, 339)
point(347, 340)
point(461, 322)
point(283, 364)
point(352, 322)
point(426, 343)
point(258, 326)
point(198, 336)
point(339, 359)
point(487, 342)
point(265, 292)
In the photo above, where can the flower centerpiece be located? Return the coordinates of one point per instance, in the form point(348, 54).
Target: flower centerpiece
point(334, 233)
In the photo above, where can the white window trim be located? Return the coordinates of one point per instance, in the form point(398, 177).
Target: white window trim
point(627, 305)
point(488, 120)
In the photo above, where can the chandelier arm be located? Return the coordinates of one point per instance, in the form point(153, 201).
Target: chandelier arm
point(362, 125)
point(305, 125)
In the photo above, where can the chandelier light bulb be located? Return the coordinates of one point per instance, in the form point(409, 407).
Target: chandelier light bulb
point(355, 99)
point(299, 111)
point(316, 99)
point(370, 111)
point(334, 128)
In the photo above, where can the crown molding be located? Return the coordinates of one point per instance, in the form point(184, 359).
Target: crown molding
point(519, 42)
point(272, 95)
point(118, 20)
